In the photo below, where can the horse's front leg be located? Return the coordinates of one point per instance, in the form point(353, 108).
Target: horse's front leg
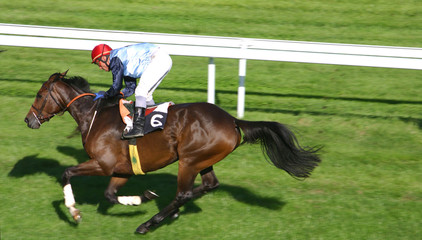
point(89, 168)
point(116, 183)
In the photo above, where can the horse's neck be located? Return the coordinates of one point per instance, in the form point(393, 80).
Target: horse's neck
point(83, 112)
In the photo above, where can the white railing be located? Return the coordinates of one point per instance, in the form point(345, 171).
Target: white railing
point(216, 47)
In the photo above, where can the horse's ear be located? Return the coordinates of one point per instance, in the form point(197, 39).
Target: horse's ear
point(64, 74)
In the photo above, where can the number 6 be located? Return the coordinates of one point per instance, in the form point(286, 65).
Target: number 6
point(156, 122)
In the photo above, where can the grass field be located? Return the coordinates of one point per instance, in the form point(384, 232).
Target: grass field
point(368, 119)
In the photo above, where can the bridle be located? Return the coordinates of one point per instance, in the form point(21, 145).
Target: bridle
point(40, 117)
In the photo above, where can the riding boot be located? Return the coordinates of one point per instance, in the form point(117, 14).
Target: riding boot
point(138, 124)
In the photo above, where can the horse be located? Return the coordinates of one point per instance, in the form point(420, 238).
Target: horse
point(197, 135)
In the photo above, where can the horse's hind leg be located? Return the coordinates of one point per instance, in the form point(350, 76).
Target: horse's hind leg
point(116, 183)
point(209, 182)
point(185, 180)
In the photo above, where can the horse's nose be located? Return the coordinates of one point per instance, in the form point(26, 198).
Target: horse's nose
point(26, 120)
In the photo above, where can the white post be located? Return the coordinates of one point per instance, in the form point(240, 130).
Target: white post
point(241, 89)
point(211, 81)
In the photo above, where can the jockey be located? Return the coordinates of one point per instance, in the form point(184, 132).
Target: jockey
point(145, 61)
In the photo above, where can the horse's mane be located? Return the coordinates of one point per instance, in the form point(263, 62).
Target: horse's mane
point(78, 82)
point(82, 84)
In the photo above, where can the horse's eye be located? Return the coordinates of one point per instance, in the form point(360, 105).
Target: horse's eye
point(39, 95)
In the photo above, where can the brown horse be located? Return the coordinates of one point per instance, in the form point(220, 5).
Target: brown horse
point(198, 135)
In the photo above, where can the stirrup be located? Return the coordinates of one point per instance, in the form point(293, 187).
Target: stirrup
point(123, 137)
point(128, 135)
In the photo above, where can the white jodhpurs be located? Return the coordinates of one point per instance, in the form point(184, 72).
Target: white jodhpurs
point(153, 75)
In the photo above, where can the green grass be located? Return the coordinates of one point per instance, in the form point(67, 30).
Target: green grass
point(368, 119)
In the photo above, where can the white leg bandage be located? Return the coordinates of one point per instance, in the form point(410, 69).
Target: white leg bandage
point(69, 199)
point(130, 200)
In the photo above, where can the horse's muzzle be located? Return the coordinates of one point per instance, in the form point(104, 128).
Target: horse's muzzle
point(32, 122)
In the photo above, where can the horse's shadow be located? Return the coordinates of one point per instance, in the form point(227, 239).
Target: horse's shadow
point(90, 189)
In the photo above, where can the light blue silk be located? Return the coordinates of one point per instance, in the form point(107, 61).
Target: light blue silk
point(135, 58)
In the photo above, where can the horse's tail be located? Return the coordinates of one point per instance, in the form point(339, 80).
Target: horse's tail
point(281, 146)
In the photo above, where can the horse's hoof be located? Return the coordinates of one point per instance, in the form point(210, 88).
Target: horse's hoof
point(150, 194)
point(175, 214)
point(76, 214)
point(77, 218)
point(142, 229)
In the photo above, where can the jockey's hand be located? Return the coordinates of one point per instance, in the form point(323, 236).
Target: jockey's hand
point(120, 95)
point(98, 95)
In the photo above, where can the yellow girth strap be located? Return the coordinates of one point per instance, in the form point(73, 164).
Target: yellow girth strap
point(134, 159)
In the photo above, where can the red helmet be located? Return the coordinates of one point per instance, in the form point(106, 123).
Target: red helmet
point(99, 51)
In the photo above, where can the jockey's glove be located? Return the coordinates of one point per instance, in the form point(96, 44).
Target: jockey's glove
point(98, 95)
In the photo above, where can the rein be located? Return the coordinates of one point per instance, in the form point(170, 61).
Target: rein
point(77, 97)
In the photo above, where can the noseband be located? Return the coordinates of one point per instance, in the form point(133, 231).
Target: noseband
point(40, 117)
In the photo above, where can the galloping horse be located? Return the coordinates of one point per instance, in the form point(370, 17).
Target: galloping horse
point(198, 135)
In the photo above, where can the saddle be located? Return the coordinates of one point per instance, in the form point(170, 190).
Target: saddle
point(155, 116)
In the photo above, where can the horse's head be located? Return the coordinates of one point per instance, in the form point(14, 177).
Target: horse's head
point(47, 102)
